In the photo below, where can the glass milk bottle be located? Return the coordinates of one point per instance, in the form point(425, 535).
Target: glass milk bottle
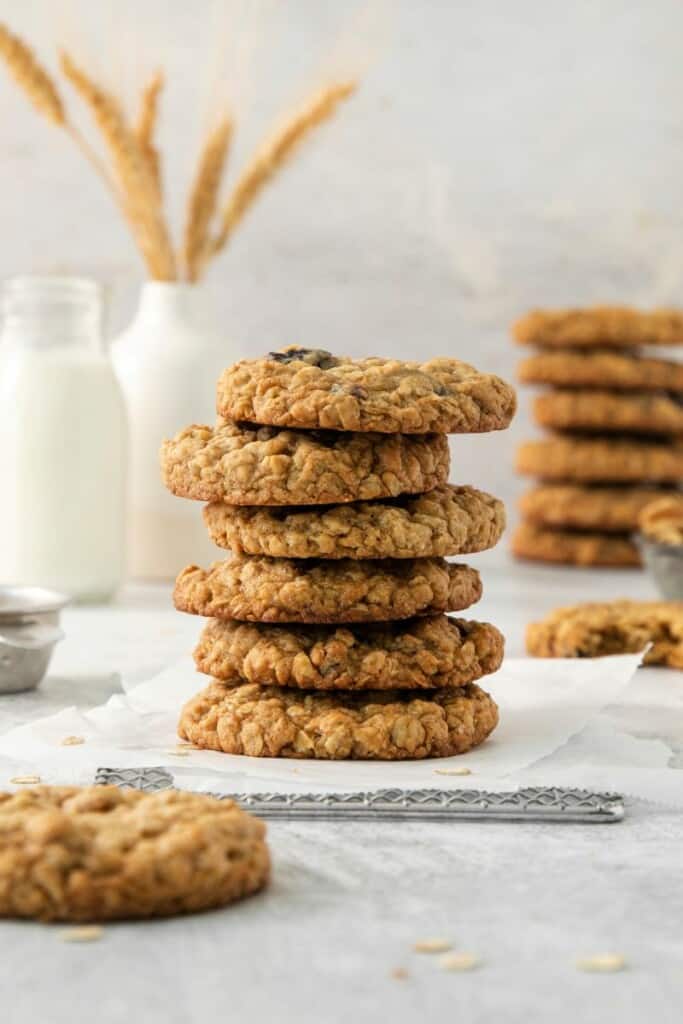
point(62, 441)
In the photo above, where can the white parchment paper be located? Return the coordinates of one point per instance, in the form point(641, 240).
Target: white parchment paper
point(564, 722)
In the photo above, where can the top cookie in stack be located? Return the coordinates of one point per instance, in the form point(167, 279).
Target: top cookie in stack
point(617, 419)
point(326, 478)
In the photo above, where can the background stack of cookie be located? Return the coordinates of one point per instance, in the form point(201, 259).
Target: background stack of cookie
point(327, 637)
point(616, 415)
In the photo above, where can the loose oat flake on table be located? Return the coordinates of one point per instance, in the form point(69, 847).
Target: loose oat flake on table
point(432, 946)
point(312, 388)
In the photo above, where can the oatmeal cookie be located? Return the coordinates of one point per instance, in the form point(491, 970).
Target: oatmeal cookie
point(574, 457)
point(288, 590)
point(419, 654)
point(245, 465)
point(601, 369)
point(615, 627)
point(301, 387)
point(612, 509)
point(662, 520)
point(599, 326)
point(608, 411)
point(377, 725)
point(100, 853)
point(574, 547)
point(446, 521)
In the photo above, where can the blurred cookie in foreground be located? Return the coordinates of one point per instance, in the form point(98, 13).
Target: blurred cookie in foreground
point(614, 627)
point(599, 326)
point(574, 547)
point(609, 509)
point(100, 853)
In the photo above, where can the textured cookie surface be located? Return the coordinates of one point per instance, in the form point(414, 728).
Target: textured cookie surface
point(601, 459)
point(422, 653)
point(567, 547)
point(601, 369)
point(245, 465)
point(617, 326)
point(100, 853)
point(615, 627)
point(446, 521)
point(662, 520)
point(608, 411)
point(609, 509)
point(385, 725)
point(290, 590)
point(312, 388)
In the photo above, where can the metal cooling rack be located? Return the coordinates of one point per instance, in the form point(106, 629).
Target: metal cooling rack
point(543, 804)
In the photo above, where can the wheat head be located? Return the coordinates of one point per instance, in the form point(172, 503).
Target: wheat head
point(30, 76)
point(134, 177)
point(275, 152)
point(203, 197)
point(146, 123)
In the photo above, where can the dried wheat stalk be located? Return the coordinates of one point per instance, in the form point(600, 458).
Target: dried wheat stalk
point(132, 172)
point(203, 197)
point(42, 93)
point(274, 153)
point(31, 77)
point(146, 125)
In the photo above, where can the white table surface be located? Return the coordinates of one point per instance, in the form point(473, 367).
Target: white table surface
point(348, 902)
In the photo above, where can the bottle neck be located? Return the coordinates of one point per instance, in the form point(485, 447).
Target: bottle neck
point(164, 300)
point(47, 313)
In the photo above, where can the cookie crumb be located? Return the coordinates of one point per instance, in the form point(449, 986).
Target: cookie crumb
point(432, 946)
point(603, 963)
point(85, 933)
point(72, 741)
point(178, 752)
point(452, 771)
point(458, 962)
point(400, 973)
point(25, 780)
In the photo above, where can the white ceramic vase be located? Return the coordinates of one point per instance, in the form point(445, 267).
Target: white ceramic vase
point(167, 365)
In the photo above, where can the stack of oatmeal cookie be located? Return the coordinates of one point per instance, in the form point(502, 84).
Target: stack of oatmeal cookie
point(327, 635)
point(617, 421)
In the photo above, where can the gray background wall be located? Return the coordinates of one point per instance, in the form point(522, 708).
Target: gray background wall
point(499, 155)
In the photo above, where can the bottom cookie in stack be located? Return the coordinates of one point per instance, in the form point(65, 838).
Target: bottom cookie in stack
point(381, 725)
point(385, 691)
